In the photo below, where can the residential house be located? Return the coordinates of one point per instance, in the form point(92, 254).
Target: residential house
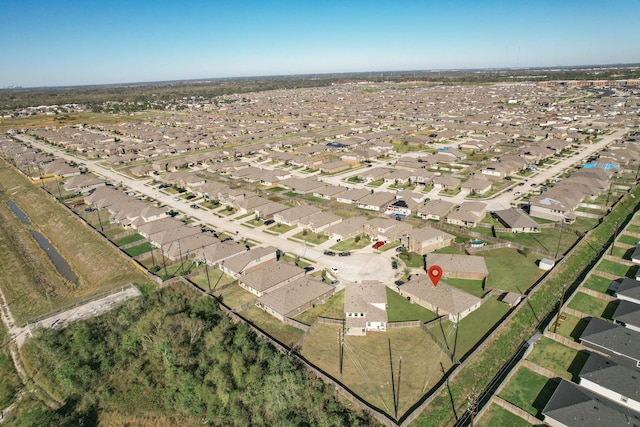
point(346, 229)
point(293, 216)
point(476, 185)
point(575, 406)
point(446, 182)
point(627, 290)
point(619, 343)
point(426, 239)
point(319, 221)
point(618, 383)
point(216, 254)
point(329, 192)
point(516, 220)
point(83, 184)
point(459, 266)
point(295, 297)
point(435, 209)
point(352, 196)
point(627, 314)
point(375, 201)
point(443, 299)
point(248, 261)
point(468, 214)
point(385, 229)
point(365, 307)
point(270, 277)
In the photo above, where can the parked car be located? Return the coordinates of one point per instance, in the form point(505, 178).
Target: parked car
point(377, 245)
point(399, 249)
point(176, 199)
point(330, 253)
point(335, 282)
point(335, 270)
point(399, 282)
point(394, 265)
point(269, 222)
point(345, 253)
point(309, 268)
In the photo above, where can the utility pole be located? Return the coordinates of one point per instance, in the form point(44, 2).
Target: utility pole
point(398, 387)
point(615, 236)
point(471, 407)
point(206, 269)
point(559, 239)
point(555, 324)
point(341, 350)
point(99, 220)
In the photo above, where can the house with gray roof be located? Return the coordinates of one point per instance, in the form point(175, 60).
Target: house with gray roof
point(426, 239)
point(295, 297)
point(270, 277)
point(459, 266)
point(617, 383)
point(365, 307)
point(319, 221)
point(443, 299)
point(83, 184)
point(468, 214)
point(476, 185)
point(375, 201)
point(216, 254)
point(575, 406)
point(627, 290)
point(250, 260)
point(620, 343)
point(435, 209)
point(346, 229)
point(293, 216)
point(186, 248)
point(627, 314)
point(516, 220)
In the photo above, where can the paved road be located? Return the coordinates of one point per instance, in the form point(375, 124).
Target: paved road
point(364, 265)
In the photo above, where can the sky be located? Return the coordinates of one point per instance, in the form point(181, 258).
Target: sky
point(81, 42)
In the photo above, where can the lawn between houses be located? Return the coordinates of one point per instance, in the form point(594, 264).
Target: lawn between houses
point(99, 267)
point(483, 365)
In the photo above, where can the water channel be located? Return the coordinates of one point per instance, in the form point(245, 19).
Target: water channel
point(61, 265)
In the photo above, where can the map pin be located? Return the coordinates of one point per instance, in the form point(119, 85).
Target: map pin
point(435, 273)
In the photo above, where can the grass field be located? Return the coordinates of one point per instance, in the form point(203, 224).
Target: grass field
point(351, 244)
point(10, 383)
point(143, 248)
point(569, 326)
point(97, 264)
point(498, 416)
point(472, 328)
point(311, 238)
point(617, 269)
point(129, 239)
point(280, 228)
point(288, 335)
point(592, 306)
point(597, 283)
point(400, 310)
point(333, 308)
point(624, 253)
point(511, 269)
point(367, 370)
point(548, 239)
point(473, 287)
point(629, 240)
point(529, 391)
point(564, 361)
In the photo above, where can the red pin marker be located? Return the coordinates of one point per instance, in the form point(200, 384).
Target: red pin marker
point(435, 273)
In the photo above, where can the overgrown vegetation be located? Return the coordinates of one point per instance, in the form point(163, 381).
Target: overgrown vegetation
point(171, 352)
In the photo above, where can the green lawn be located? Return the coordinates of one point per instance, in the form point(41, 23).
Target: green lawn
point(548, 239)
point(351, 244)
point(311, 238)
point(128, 239)
point(216, 279)
point(633, 228)
point(620, 270)
point(112, 232)
point(592, 306)
point(280, 228)
point(629, 240)
point(564, 361)
point(597, 283)
point(472, 328)
point(529, 391)
point(333, 308)
point(624, 253)
point(583, 224)
point(474, 287)
point(448, 250)
point(134, 251)
point(569, 326)
point(412, 259)
point(497, 416)
point(511, 269)
point(400, 309)
point(284, 333)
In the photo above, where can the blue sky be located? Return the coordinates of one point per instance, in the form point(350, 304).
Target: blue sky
point(78, 42)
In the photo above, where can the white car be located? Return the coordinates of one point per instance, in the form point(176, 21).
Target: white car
point(335, 270)
point(176, 199)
